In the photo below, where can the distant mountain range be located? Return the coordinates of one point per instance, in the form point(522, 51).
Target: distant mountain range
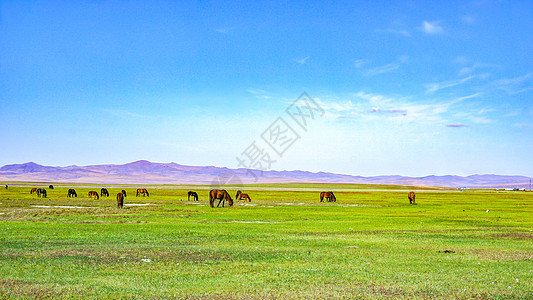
point(145, 172)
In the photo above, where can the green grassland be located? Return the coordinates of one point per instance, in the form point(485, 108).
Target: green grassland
point(285, 244)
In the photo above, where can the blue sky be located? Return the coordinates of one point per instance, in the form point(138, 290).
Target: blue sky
point(408, 87)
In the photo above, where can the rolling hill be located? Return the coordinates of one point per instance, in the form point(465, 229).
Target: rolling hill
point(145, 172)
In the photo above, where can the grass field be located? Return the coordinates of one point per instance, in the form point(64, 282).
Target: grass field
point(283, 245)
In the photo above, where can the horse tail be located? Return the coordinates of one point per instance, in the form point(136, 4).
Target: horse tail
point(322, 197)
point(230, 201)
point(237, 195)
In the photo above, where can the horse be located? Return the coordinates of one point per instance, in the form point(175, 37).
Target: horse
point(242, 196)
point(72, 193)
point(222, 195)
point(6, 186)
point(33, 190)
point(104, 192)
point(51, 187)
point(94, 194)
point(411, 197)
point(124, 193)
point(41, 193)
point(330, 197)
point(192, 194)
point(120, 200)
point(143, 192)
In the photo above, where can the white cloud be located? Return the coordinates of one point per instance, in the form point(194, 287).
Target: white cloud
point(382, 69)
point(516, 85)
point(433, 87)
point(225, 30)
point(124, 114)
point(259, 93)
point(432, 28)
point(302, 61)
point(395, 31)
point(360, 62)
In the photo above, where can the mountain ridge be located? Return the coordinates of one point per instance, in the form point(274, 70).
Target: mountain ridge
point(146, 172)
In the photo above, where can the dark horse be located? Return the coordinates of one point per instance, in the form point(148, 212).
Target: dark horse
point(143, 192)
point(411, 197)
point(41, 193)
point(242, 196)
point(51, 187)
point(330, 197)
point(192, 194)
point(222, 195)
point(72, 193)
point(120, 200)
point(94, 194)
point(124, 193)
point(104, 192)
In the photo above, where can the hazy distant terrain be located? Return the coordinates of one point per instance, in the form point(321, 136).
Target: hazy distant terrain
point(145, 172)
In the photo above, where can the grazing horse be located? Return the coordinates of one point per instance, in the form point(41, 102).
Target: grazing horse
point(411, 197)
point(330, 197)
point(143, 192)
point(51, 187)
point(72, 193)
point(33, 190)
point(124, 193)
point(222, 195)
point(104, 192)
point(6, 186)
point(120, 200)
point(41, 193)
point(94, 194)
point(192, 194)
point(242, 196)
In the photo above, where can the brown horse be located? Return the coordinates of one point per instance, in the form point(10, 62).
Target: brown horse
point(411, 197)
point(124, 193)
point(222, 195)
point(120, 200)
point(33, 190)
point(330, 197)
point(72, 193)
point(94, 194)
point(192, 194)
point(143, 192)
point(242, 196)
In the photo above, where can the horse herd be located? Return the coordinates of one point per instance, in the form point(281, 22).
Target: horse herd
point(41, 193)
point(221, 195)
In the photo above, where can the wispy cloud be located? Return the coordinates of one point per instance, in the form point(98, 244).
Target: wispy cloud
point(516, 85)
point(402, 32)
point(360, 62)
point(225, 30)
point(124, 114)
point(431, 28)
point(259, 93)
point(302, 61)
point(433, 87)
point(468, 19)
point(456, 125)
point(382, 69)
point(386, 68)
point(524, 125)
point(376, 107)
